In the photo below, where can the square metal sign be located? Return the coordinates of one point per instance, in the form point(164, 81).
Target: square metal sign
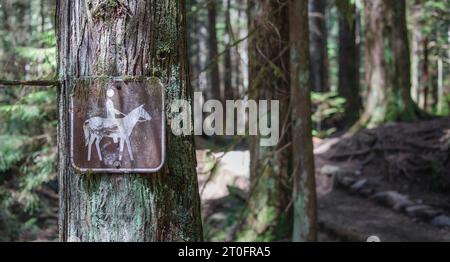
point(117, 125)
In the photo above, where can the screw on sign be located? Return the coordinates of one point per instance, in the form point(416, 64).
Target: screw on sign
point(117, 126)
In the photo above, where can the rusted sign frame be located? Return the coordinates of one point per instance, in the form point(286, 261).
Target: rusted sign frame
point(120, 170)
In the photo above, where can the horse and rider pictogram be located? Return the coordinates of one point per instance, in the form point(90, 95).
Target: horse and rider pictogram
point(131, 117)
point(119, 129)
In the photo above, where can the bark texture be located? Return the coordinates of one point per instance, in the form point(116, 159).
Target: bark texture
point(348, 76)
point(227, 63)
point(388, 64)
point(271, 186)
point(126, 38)
point(213, 55)
point(318, 48)
point(304, 195)
point(197, 42)
point(417, 52)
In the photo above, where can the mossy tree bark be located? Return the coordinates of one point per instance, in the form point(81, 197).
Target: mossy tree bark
point(270, 216)
point(387, 64)
point(304, 193)
point(132, 38)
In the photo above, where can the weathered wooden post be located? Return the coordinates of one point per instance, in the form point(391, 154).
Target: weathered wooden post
point(103, 39)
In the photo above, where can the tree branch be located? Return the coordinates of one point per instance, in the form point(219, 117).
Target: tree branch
point(4, 83)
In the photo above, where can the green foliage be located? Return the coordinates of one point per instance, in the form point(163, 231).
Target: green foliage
point(429, 21)
point(39, 171)
point(435, 14)
point(332, 16)
point(446, 106)
point(10, 150)
point(28, 108)
point(27, 115)
point(27, 149)
point(328, 109)
point(27, 145)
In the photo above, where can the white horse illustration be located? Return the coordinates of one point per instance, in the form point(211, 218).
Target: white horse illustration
point(119, 129)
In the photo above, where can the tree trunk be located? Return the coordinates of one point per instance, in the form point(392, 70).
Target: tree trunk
point(440, 84)
point(214, 76)
point(237, 15)
point(139, 38)
point(227, 66)
point(434, 78)
point(425, 74)
point(242, 49)
point(318, 47)
point(387, 65)
point(348, 59)
point(194, 39)
point(304, 195)
point(270, 215)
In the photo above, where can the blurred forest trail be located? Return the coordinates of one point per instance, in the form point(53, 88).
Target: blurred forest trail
point(374, 189)
point(375, 183)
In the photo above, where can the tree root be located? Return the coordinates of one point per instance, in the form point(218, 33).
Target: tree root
point(413, 151)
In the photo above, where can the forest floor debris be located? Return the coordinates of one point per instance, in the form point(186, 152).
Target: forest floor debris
point(391, 181)
point(402, 166)
point(351, 218)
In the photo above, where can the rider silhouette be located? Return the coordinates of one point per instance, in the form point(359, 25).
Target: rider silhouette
point(111, 111)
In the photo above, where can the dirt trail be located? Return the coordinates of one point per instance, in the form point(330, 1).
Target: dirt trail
point(352, 218)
